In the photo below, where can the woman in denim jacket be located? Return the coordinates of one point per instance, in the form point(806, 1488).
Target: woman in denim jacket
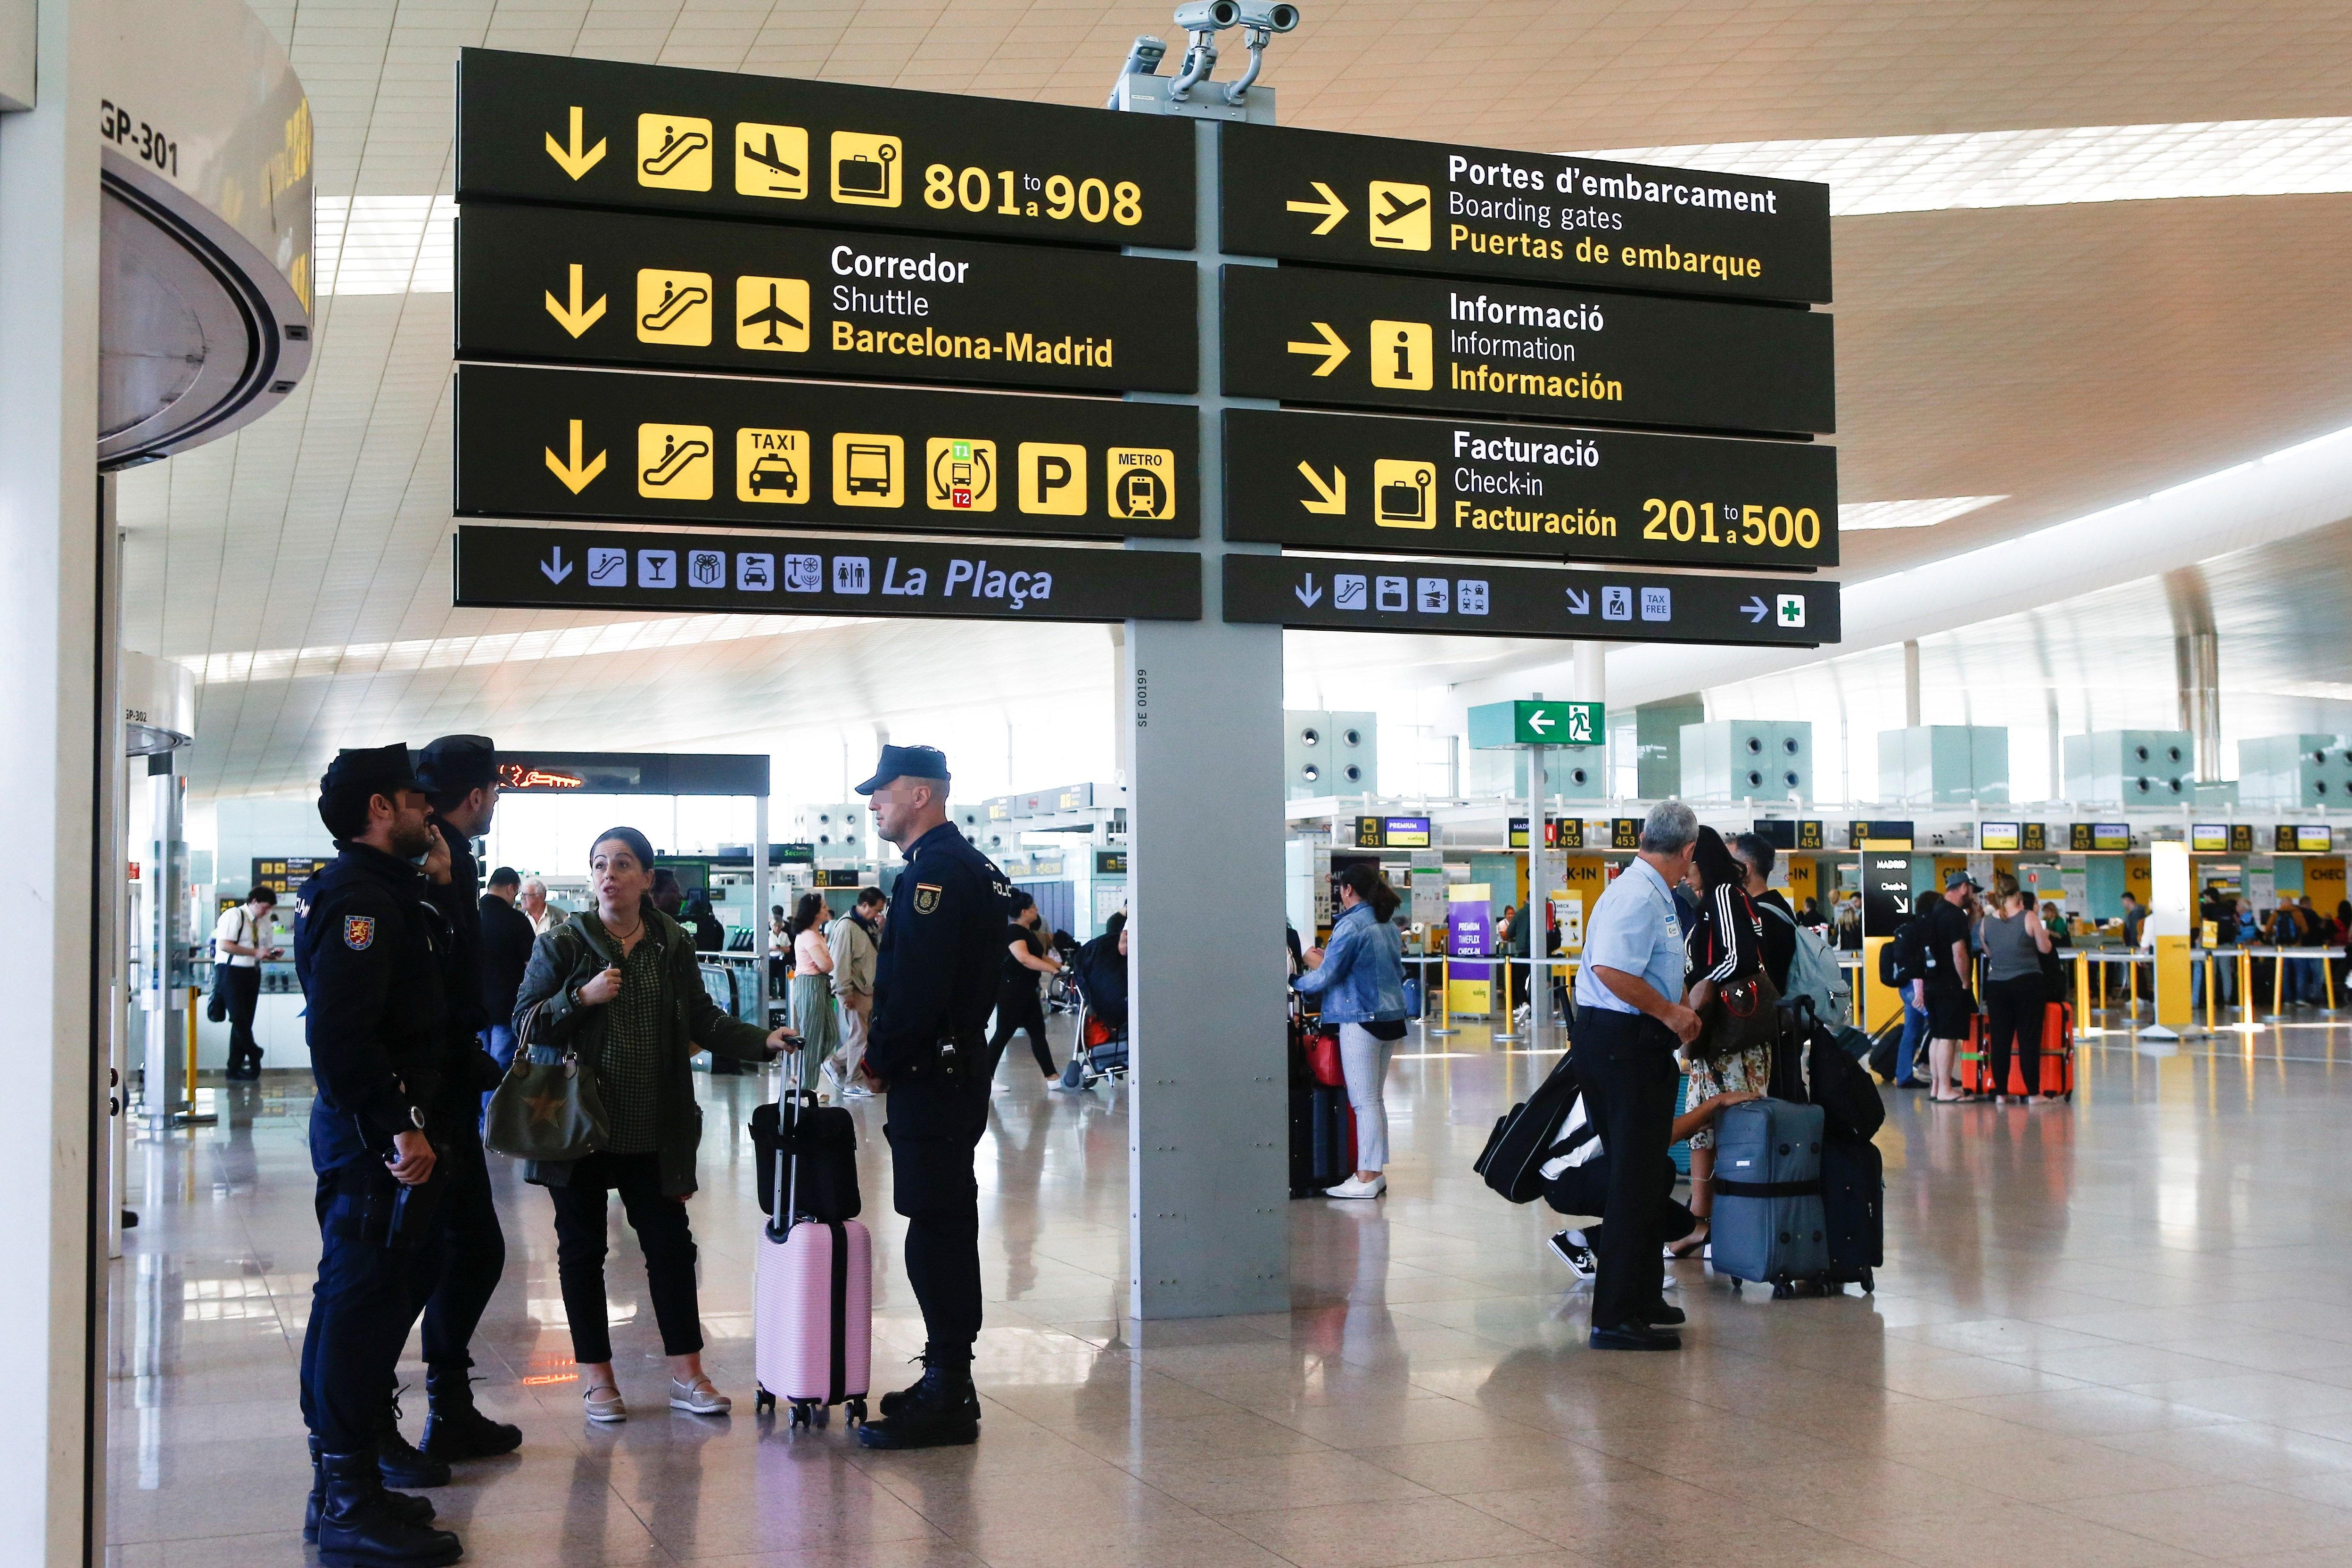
point(1360, 976)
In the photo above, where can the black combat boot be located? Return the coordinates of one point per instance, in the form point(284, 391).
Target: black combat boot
point(454, 1429)
point(407, 1509)
point(891, 1403)
point(939, 1411)
point(358, 1529)
point(401, 1463)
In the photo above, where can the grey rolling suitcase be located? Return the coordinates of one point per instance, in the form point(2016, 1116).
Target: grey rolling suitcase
point(1769, 1224)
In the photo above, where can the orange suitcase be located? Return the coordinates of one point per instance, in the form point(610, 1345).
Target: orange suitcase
point(2057, 1055)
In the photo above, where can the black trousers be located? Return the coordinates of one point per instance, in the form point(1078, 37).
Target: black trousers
point(244, 998)
point(581, 1210)
point(932, 1184)
point(1625, 1061)
point(1584, 1189)
point(359, 1308)
point(1018, 1008)
point(462, 1259)
point(2015, 1008)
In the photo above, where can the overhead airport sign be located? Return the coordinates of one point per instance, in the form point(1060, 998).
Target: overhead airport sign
point(658, 138)
point(1350, 481)
point(582, 444)
point(1430, 207)
point(539, 283)
point(1337, 594)
point(1536, 723)
point(1376, 341)
point(735, 573)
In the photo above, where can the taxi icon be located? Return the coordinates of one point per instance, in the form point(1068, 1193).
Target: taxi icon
point(772, 471)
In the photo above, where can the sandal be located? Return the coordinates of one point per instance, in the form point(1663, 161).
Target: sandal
point(1691, 1245)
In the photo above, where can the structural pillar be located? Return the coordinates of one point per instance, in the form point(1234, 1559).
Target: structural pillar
point(53, 775)
point(1911, 684)
point(1208, 1184)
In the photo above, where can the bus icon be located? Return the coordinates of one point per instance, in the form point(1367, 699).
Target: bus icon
point(868, 470)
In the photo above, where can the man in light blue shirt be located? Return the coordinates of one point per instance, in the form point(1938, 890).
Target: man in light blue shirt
point(1630, 1017)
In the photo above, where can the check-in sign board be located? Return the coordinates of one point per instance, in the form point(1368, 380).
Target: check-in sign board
point(1372, 595)
point(1354, 481)
point(544, 283)
point(737, 573)
point(656, 139)
point(591, 443)
point(1370, 339)
point(1432, 206)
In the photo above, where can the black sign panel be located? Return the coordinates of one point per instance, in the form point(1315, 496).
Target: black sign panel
point(1335, 594)
point(1428, 207)
point(1624, 832)
point(577, 569)
point(1858, 834)
point(548, 128)
point(678, 448)
point(631, 773)
point(1380, 341)
point(540, 283)
point(1349, 481)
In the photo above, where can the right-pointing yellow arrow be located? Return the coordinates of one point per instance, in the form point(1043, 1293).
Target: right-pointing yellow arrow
point(1335, 494)
point(1332, 208)
point(1331, 348)
point(572, 317)
point(575, 477)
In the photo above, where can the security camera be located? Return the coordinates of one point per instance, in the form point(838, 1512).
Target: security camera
point(1271, 18)
point(1208, 15)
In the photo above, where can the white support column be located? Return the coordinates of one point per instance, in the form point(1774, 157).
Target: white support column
point(53, 775)
point(760, 893)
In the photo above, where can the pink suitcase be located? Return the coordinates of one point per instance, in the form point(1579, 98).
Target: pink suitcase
point(813, 1304)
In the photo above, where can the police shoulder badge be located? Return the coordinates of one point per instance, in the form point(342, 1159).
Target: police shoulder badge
point(359, 931)
point(927, 897)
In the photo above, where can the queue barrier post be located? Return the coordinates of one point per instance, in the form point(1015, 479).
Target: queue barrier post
point(2245, 985)
point(2327, 981)
point(2081, 989)
point(2131, 987)
point(189, 1082)
point(2278, 982)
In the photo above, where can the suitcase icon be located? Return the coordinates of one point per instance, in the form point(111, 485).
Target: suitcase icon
point(859, 174)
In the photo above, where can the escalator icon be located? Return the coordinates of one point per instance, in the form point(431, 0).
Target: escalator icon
point(674, 307)
point(673, 153)
point(673, 462)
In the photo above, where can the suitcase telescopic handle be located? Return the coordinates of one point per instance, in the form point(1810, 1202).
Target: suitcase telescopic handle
point(788, 1170)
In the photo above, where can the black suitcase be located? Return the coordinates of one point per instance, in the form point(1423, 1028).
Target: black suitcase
point(1850, 1102)
point(1322, 1139)
point(1853, 1205)
point(1512, 1162)
point(823, 1138)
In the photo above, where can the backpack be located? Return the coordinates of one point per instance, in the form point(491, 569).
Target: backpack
point(1522, 1140)
point(1814, 971)
point(1906, 954)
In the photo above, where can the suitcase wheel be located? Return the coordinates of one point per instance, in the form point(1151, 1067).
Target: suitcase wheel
point(854, 1412)
point(1735, 1287)
point(764, 1403)
point(803, 1413)
point(1869, 1285)
point(1781, 1290)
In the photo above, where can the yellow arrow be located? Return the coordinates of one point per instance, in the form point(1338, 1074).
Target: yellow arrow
point(572, 160)
point(1331, 206)
point(1335, 494)
point(1331, 348)
point(574, 477)
point(571, 318)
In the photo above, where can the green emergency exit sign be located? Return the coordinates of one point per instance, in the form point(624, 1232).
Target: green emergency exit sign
point(1536, 723)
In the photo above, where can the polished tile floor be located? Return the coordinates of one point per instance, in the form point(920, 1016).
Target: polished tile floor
point(2113, 1334)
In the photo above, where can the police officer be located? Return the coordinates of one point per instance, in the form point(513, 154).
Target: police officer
point(934, 984)
point(373, 956)
point(467, 1252)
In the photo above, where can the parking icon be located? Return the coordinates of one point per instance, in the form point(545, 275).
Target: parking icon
point(1616, 603)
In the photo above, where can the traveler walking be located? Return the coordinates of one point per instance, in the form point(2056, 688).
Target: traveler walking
point(2016, 991)
point(1951, 1003)
point(620, 987)
point(855, 939)
point(506, 939)
point(1027, 958)
point(239, 950)
point(934, 980)
point(1630, 1019)
point(1726, 946)
point(1360, 976)
point(373, 957)
point(812, 989)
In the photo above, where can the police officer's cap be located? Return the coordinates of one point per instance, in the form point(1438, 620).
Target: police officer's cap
point(456, 764)
point(927, 763)
point(377, 770)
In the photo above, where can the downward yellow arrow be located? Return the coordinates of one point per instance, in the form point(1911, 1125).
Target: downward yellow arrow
point(571, 317)
point(1331, 348)
point(1331, 206)
point(572, 160)
point(1335, 494)
point(574, 477)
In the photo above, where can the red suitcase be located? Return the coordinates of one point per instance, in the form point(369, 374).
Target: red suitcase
point(2057, 1055)
point(813, 1298)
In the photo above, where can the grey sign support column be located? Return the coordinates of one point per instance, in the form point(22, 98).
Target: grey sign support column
point(1207, 1116)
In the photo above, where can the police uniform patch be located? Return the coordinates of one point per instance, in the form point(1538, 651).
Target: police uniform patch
point(359, 931)
point(927, 897)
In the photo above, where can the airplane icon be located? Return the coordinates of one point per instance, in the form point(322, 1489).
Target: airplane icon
point(1392, 209)
point(772, 161)
point(772, 315)
point(771, 158)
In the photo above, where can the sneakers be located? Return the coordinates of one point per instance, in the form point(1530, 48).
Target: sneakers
point(1569, 1246)
point(1357, 1187)
point(604, 1405)
point(856, 1091)
point(700, 1397)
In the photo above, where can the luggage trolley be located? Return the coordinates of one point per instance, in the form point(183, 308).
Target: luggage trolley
point(1099, 1051)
